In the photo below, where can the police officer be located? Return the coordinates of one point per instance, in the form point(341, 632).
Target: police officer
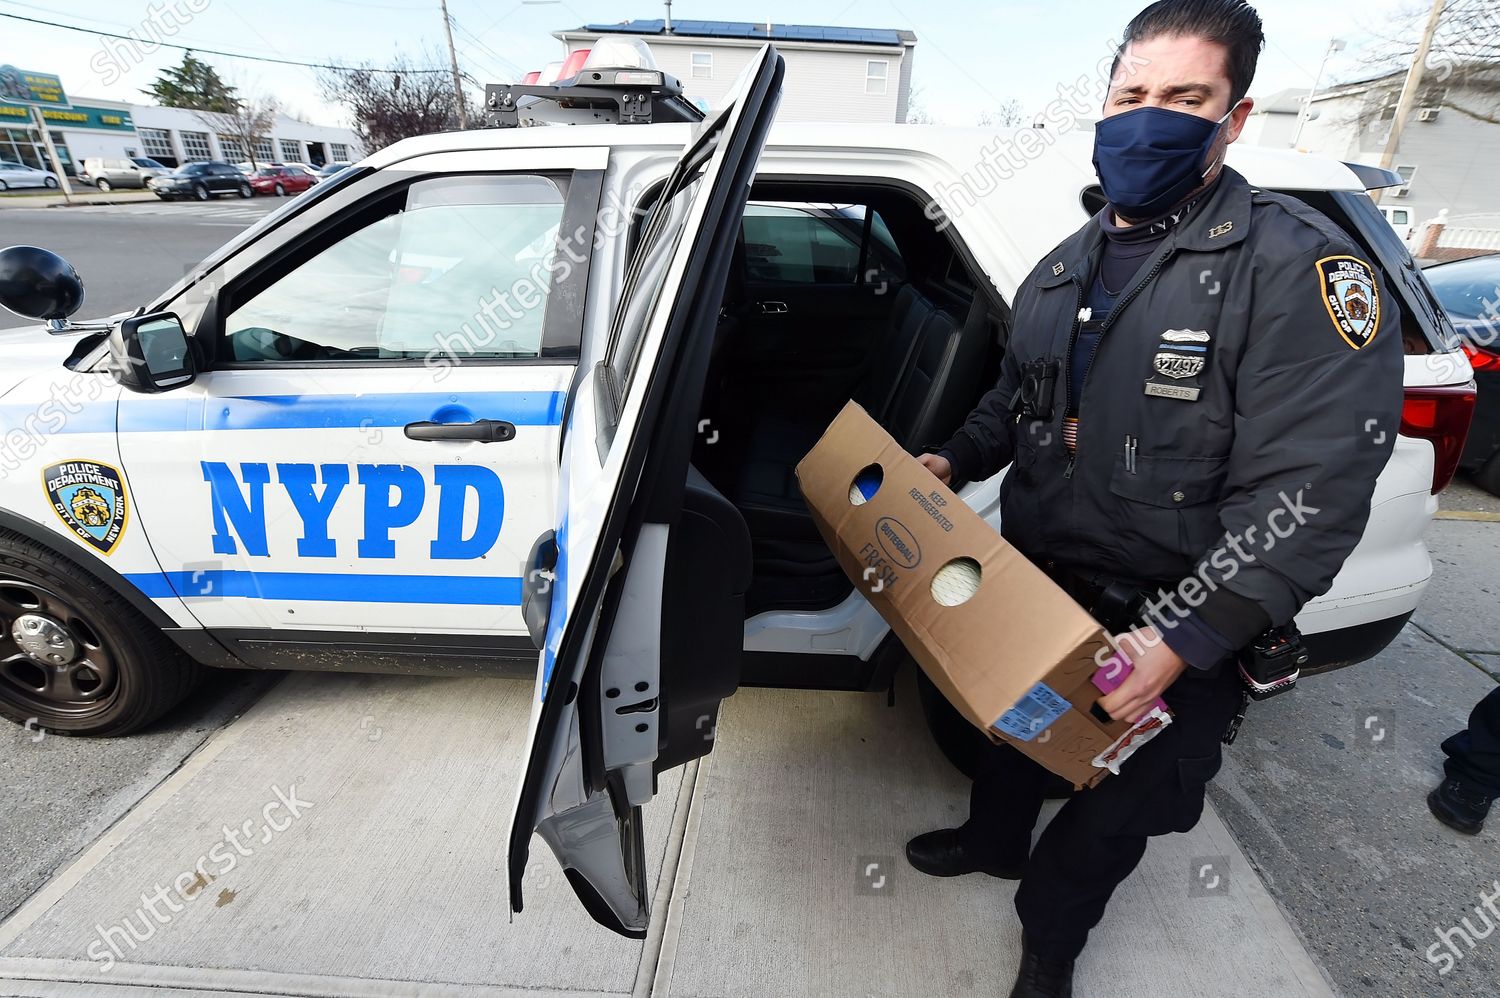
point(1202, 385)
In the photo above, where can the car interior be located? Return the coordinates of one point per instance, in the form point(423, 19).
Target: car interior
point(836, 292)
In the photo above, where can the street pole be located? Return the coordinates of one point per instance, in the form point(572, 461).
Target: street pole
point(1413, 82)
point(1334, 45)
point(458, 83)
point(62, 178)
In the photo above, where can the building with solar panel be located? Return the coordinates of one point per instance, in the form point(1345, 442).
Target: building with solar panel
point(832, 74)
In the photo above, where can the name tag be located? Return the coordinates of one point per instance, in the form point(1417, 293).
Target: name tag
point(1184, 392)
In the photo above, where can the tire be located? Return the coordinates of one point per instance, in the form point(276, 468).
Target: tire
point(201, 193)
point(1487, 475)
point(50, 183)
point(960, 742)
point(103, 185)
point(123, 672)
point(280, 191)
point(4, 186)
point(246, 190)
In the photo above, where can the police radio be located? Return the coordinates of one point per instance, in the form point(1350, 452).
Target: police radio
point(1273, 662)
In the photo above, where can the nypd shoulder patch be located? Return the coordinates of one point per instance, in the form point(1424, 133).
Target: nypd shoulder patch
point(1351, 297)
point(89, 498)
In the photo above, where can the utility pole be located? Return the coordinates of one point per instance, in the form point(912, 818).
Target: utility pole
point(57, 167)
point(458, 83)
point(1334, 45)
point(1413, 82)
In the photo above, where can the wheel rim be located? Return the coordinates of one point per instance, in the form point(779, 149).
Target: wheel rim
point(54, 663)
point(50, 182)
point(201, 193)
point(104, 185)
point(280, 191)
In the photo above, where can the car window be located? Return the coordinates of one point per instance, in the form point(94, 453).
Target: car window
point(1467, 289)
point(798, 245)
point(457, 267)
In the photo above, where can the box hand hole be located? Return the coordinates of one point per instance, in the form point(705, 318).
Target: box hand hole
point(956, 582)
point(865, 484)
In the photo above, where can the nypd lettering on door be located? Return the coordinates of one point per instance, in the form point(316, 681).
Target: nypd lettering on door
point(390, 498)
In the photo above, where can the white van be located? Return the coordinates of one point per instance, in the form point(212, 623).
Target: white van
point(107, 174)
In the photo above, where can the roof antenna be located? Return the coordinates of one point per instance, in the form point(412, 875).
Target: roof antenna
point(668, 29)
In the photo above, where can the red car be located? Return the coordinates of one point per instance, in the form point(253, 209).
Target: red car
point(280, 180)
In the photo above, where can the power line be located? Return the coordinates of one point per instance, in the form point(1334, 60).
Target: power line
point(208, 51)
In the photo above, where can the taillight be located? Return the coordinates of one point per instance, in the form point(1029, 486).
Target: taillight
point(1480, 358)
point(1441, 415)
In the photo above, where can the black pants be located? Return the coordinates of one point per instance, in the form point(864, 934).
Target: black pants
point(1100, 834)
point(1474, 753)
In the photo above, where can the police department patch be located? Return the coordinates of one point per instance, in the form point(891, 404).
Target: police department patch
point(89, 497)
point(1351, 297)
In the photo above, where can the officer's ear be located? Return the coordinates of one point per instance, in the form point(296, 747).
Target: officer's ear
point(1237, 118)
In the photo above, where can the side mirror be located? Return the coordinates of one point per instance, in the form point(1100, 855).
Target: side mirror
point(38, 284)
point(151, 353)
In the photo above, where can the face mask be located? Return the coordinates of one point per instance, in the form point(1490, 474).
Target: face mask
point(1150, 158)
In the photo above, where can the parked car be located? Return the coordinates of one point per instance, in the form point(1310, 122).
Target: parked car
point(16, 175)
point(310, 171)
point(1399, 219)
point(1469, 291)
point(332, 169)
point(107, 174)
point(280, 181)
point(310, 453)
point(201, 181)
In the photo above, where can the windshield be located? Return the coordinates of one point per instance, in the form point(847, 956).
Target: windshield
point(149, 164)
point(268, 172)
point(1467, 289)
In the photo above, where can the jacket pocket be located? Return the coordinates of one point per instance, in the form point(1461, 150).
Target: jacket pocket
point(1172, 501)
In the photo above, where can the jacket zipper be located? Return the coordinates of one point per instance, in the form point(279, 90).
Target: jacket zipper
point(1073, 345)
point(1161, 261)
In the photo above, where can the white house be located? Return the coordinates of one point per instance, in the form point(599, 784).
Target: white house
point(1447, 151)
point(832, 74)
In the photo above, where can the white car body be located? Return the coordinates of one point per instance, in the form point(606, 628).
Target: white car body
point(15, 175)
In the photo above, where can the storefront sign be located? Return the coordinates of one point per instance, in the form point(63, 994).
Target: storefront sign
point(26, 87)
point(78, 116)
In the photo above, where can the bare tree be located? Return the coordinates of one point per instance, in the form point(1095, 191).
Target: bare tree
point(916, 109)
point(1007, 115)
point(409, 99)
point(251, 119)
point(1463, 66)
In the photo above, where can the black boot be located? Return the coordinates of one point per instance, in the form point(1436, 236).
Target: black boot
point(1460, 806)
point(941, 854)
point(1040, 978)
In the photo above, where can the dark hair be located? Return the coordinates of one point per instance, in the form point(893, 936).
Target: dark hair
point(1233, 24)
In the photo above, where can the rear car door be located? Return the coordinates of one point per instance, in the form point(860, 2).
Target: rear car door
point(640, 617)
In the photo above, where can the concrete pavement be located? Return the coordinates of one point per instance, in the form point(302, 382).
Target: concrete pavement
point(388, 879)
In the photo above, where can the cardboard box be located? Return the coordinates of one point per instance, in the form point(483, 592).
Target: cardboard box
point(1013, 652)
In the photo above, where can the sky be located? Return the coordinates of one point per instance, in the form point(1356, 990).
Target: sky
point(971, 57)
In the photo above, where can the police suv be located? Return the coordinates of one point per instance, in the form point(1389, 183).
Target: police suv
point(512, 389)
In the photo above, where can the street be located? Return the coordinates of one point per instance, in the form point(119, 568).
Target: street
point(127, 252)
point(1316, 871)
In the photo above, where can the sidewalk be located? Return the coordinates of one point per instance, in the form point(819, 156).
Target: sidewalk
point(390, 881)
point(81, 195)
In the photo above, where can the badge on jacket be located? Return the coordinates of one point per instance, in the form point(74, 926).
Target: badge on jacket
point(1181, 357)
point(1351, 296)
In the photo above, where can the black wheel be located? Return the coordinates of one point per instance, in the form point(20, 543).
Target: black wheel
point(200, 192)
point(246, 190)
point(1487, 475)
point(103, 185)
point(280, 191)
point(50, 182)
point(74, 656)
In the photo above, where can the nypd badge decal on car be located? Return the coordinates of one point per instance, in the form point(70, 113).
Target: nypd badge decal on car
point(89, 497)
point(1351, 297)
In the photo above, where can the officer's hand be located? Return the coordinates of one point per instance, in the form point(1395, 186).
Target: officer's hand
point(938, 465)
point(1155, 668)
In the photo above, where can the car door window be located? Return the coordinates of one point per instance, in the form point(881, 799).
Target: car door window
point(811, 244)
point(457, 266)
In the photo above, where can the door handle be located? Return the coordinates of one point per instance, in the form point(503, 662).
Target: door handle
point(772, 307)
point(486, 431)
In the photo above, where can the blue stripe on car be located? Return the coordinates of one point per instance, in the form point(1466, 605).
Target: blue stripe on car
point(330, 587)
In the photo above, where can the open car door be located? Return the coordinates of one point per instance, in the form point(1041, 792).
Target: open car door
point(638, 601)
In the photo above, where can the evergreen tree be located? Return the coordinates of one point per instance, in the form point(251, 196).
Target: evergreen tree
point(195, 85)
